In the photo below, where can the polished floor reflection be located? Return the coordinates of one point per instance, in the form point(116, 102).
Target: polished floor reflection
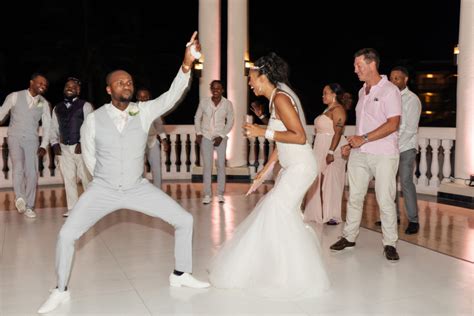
point(122, 263)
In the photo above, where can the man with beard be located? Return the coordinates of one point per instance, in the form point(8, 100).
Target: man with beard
point(27, 108)
point(113, 141)
point(68, 116)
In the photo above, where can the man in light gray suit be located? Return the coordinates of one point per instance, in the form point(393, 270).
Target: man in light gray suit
point(27, 108)
point(113, 140)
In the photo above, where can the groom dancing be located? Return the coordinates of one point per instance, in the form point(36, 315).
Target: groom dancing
point(113, 144)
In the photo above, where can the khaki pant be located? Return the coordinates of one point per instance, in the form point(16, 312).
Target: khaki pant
point(361, 169)
point(72, 167)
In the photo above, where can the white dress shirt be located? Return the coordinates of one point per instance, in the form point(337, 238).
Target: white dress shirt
point(54, 138)
point(411, 111)
point(213, 120)
point(10, 101)
point(147, 111)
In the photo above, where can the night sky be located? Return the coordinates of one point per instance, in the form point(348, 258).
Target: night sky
point(90, 38)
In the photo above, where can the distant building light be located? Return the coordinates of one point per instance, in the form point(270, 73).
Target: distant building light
point(429, 93)
point(429, 112)
point(456, 50)
point(429, 75)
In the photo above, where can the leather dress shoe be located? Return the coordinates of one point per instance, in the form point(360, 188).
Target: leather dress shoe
point(412, 228)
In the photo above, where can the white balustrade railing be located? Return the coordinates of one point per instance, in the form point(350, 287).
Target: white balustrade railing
point(434, 166)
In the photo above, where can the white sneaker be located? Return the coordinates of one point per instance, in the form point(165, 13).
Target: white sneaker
point(221, 199)
point(66, 214)
point(187, 280)
point(20, 205)
point(55, 299)
point(30, 213)
point(207, 199)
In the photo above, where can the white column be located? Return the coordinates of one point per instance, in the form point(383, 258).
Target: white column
point(464, 163)
point(237, 88)
point(210, 39)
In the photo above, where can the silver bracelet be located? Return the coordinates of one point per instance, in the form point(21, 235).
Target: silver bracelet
point(331, 152)
point(269, 133)
point(262, 116)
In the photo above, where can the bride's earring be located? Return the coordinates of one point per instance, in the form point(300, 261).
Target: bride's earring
point(259, 89)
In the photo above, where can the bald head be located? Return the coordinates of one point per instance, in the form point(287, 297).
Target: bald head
point(117, 75)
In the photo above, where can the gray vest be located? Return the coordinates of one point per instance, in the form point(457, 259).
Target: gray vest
point(24, 121)
point(119, 156)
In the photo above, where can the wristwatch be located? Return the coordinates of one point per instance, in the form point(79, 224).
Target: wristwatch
point(262, 116)
point(366, 138)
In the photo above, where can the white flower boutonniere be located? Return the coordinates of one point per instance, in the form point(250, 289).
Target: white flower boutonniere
point(133, 110)
point(39, 104)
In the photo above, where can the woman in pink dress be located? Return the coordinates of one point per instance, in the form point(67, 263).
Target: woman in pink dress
point(324, 198)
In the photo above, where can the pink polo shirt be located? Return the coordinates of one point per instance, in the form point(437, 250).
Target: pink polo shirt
point(383, 101)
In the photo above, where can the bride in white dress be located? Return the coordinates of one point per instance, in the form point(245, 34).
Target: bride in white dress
point(272, 252)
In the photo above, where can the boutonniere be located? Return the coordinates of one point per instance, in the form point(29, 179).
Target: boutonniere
point(133, 110)
point(39, 104)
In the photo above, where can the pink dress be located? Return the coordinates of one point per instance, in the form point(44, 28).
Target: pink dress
point(329, 207)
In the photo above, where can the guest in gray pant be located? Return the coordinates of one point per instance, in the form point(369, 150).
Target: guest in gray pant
point(213, 121)
point(113, 145)
point(27, 108)
point(407, 142)
point(156, 135)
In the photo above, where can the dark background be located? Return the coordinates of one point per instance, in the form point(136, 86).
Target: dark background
point(88, 39)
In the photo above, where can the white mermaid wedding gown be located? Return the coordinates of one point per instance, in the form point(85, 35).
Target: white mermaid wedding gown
point(272, 252)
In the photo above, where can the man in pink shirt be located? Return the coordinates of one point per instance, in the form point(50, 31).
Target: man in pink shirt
point(374, 152)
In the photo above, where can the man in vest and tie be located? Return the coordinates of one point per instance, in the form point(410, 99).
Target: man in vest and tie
point(113, 141)
point(27, 108)
point(65, 139)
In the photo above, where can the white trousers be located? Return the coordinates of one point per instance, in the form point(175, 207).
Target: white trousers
point(361, 169)
point(72, 167)
point(154, 159)
point(99, 200)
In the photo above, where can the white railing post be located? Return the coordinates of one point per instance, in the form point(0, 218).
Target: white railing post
point(423, 179)
point(434, 181)
point(261, 152)
point(447, 144)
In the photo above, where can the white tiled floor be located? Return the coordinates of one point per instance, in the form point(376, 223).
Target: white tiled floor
point(122, 266)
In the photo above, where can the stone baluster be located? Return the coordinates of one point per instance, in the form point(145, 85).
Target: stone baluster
point(423, 179)
point(434, 181)
point(447, 144)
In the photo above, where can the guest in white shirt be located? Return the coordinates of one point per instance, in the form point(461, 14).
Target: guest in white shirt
point(407, 142)
point(156, 135)
point(213, 121)
point(113, 139)
point(27, 108)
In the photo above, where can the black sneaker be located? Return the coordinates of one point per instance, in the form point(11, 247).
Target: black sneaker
point(341, 244)
point(390, 253)
point(379, 223)
point(412, 228)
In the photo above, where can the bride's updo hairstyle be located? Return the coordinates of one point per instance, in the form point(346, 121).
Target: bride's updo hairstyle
point(274, 67)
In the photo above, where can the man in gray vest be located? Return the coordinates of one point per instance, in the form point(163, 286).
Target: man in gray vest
point(113, 140)
point(68, 116)
point(27, 108)
point(157, 131)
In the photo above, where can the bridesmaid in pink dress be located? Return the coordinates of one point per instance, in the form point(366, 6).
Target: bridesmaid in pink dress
point(324, 198)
